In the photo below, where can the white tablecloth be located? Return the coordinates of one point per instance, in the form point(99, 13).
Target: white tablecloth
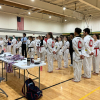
point(20, 64)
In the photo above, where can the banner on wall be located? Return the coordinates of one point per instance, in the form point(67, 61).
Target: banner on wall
point(20, 23)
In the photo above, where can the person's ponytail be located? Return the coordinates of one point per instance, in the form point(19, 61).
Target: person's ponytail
point(51, 36)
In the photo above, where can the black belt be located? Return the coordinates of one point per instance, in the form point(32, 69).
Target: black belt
point(78, 50)
point(30, 48)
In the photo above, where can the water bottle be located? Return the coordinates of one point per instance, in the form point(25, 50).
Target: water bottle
point(28, 61)
point(4, 56)
point(32, 59)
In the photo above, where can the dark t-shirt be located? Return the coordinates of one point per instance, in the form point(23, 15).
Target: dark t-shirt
point(71, 46)
point(9, 43)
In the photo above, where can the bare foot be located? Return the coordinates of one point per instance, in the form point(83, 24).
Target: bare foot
point(50, 72)
point(58, 69)
point(94, 73)
point(85, 77)
point(75, 81)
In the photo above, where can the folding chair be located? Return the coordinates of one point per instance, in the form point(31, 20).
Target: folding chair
point(1, 91)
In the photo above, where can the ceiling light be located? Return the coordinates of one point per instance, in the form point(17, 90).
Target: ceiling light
point(49, 16)
point(0, 7)
point(65, 20)
point(64, 8)
point(32, 0)
point(29, 13)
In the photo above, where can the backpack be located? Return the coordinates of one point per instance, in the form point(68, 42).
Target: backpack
point(32, 91)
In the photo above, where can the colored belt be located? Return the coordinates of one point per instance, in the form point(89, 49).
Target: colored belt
point(30, 48)
point(96, 51)
point(40, 47)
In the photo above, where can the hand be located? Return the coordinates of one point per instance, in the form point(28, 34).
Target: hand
point(81, 56)
point(92, 53)
point(54, 52)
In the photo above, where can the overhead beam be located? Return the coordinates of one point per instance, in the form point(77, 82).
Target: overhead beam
point(15, 5)
point(47, 7)
point(92, 3)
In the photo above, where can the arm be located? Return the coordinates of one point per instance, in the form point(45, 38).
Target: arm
point(93, 46)
point(49, 47)
point(86, 44)
point(34, 45)
point(45, 44)
point(10, 41)
point(25, 39)
point(75, 47)
point(83, 48)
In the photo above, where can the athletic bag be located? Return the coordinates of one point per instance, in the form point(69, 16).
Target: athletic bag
point(32, 91)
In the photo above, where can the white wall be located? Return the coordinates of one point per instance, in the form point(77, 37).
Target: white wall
point(10, 21)
point(41, 25)
point(94, 24)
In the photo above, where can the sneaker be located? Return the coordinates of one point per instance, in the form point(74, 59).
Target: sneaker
point(71, 65)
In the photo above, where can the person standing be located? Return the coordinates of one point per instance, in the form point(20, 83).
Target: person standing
point(71, 48)
point(19, 46)
point(78, 55)
point(37, 46)
point(1, 44)
point(6, 42)
point(42, 47)
point(50, 52)
point(96, 55)
point(66, 51)
point(13, 44)
point(24, 42)
point(9, 45)
point(28, 43)
point(31, 47)
point(59, 53)
point(89, 51)
point(55, 48)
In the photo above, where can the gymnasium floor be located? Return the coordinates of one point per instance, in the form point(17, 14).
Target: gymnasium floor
point(60, 85)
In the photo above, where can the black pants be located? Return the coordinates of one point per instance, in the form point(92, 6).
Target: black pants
point(71, 55)
point(24, 50)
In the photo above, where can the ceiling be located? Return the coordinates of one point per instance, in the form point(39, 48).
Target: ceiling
point(42, 9)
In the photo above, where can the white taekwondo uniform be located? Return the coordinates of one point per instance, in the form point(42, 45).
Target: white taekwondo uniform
point(78, 47)
point(66, 52)
point(87, 62)
point(31, 49)
point(50, 50)
point(14, 41)
point(96, 56)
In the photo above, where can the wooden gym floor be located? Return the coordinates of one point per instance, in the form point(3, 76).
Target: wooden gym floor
point(59, 82)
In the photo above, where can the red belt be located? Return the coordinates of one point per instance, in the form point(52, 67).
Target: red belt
point(40, 47)
point(96, 51)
